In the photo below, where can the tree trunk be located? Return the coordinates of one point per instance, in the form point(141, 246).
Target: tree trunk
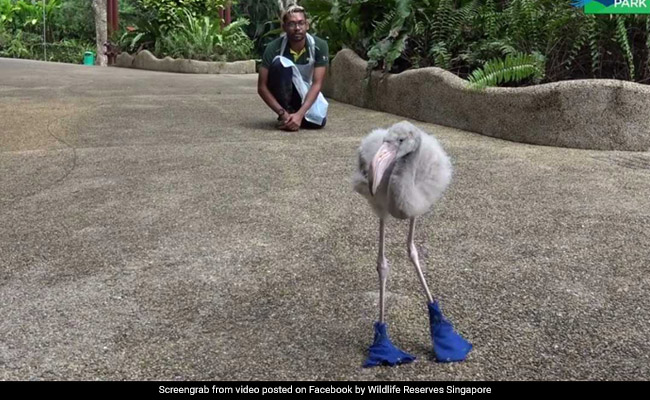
point(101, 29)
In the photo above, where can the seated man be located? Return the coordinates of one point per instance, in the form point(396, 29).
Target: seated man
point(292, 73)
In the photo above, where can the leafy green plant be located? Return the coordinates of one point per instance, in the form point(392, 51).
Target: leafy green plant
point(396, 30)
point(19, 45)
point(73, 20)
point(27, 16)
point(623, 41)
point(264, 16)
point(162, 26)
point(205, 39)
point(169, 12)
point(69, 50)
point(525, 24)
point(145, 34)
point(464, 35)
point(7, 13)
point(346, 24)
point(238, 45)
point(513, 68)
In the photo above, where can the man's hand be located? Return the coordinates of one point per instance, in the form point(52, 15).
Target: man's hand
point(282, 119)
point(293, 122)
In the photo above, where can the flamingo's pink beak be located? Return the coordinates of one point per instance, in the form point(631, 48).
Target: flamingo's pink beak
point(384, 158)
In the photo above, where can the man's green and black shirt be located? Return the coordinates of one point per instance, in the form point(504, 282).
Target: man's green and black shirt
point(321, 53)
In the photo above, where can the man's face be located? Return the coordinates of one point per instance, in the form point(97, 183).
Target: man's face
point(296, 26)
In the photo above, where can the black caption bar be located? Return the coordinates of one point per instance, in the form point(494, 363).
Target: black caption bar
point(173, 389)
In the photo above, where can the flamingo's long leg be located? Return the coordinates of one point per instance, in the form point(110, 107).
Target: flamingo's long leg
point(382, 268)
point(413, 254)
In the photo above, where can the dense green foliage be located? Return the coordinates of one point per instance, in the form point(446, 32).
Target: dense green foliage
point(204, 39)
point(464, 35)
point(184, 28)
point(491, 42)
point(265, 21)
point(68, 34)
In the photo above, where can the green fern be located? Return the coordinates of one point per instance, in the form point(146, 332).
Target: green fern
point(441, 55)
point(513, 68)
point(443, 25)
point(394, 20)
point(420, 37)
point(382, 28)
point(468, 12)
point(525, 24)
point(390, 48)
point(483, 51)
point(594, 48)
point(491, 18)
point(462, 36)
point(579, 42)
point(452, 29)
point(420, 28)
point(465, 20)
point(533, 12)
point(624, 43)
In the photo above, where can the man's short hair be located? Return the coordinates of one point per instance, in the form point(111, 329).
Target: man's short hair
point(293, 9)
